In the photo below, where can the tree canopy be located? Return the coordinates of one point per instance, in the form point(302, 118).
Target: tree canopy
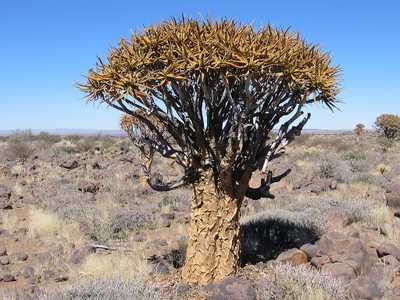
point(208, 94)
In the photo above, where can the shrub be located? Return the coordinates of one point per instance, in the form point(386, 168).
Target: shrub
point(385, 143)
point(18, 150)
point(106, 289)
point(283, 281)
point(388, 125)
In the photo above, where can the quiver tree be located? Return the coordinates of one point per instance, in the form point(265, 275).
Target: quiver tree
point(360, 129)
point(388, 125)
point(208, 95)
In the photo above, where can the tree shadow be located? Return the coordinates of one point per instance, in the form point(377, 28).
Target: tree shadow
point(264, 239)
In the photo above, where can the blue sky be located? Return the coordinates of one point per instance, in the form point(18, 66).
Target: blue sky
point(48, 45)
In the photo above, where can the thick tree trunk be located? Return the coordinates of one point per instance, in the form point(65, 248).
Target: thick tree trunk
point(213, 249)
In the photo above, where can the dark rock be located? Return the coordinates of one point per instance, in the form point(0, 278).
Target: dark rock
point(363, 288)
point(21, 256)
point(339, 270)
point(139, 238)
point(160, 268)
point(181, 290)
point(393, 195)
point(336, 219)
point(88, 187)
point(293, 256)
point(390, 260)
point(231, 288)
point(319, 261)
point(44, 257)
point(388, 249)
point(309, 249)
point(8, 278)
point(79, 255)
point(28, 272)
point(5, 196)
point(48, 274)
point(69, 164)
point(4, 261)
point(61, 278)
point(350, 251)
point(3, 251)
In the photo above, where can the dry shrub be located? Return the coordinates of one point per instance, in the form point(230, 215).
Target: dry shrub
point(126, 265)
point(106, 288)
point(283, 281)
point(17, 149)
point(43, 223)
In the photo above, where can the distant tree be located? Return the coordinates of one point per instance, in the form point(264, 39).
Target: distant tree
point(208, 95)
point(388, 125)
point(360, 129)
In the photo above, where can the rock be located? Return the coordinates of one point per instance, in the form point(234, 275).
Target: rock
point(9, 278)
point(139, 238)
point(293, 256)
point(309, 249)
point(231, 288)
point(88, 187)
point(336, 219)
point(363, 288)
point(339, 270)
point(4, 261)
point(79, 255)
point(61, 278)
point(44, 257)
point(181, 290)
point(388, 249)
point(390, 260)
point(21, 256)
point(165, 220)
point(319, 261)
point(28, 272)
point(160, 268)
point(350, 251)
point(3, 251)
point(393, 195)
point(69, 164)
point(5, 196)
point(48, 274)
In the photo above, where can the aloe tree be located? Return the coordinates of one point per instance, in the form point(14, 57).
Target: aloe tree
point(208, 95)
point(388, 125)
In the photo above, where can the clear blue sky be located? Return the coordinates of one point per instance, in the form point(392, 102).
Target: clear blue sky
point(48, 45)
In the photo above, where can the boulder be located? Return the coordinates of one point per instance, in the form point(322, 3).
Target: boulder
point(393, 195)
point(309, 249)
point(391, 261)
point(364, 288)
point(350, 251)
point(3, 251)
point(4, 261)
point(339, 270)
point(88, 187)
point(8, 278)
point(21, 256)
point(388, 249)
point(293, 256)
point(69, 164)
point(231, 288)
point(319, 261)
point(336, 219)
point(5, 195)
point(28, 272)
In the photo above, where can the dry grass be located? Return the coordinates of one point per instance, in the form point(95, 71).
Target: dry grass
point(286, 282)
point(122, 264)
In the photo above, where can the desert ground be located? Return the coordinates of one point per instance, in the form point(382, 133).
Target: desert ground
point(77, 222)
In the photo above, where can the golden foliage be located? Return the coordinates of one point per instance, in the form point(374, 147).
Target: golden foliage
point(175, 51)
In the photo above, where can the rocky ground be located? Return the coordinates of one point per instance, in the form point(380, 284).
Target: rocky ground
point(75, 220)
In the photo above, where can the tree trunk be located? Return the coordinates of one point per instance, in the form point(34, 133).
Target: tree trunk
point(213, 249)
